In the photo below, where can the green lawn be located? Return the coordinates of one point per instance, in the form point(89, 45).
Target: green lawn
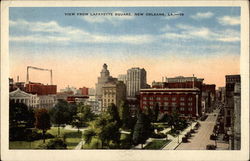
point(156, 144)
point(26, 144)
point(72, 139)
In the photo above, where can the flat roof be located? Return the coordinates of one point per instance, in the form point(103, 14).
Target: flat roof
point(169, 89)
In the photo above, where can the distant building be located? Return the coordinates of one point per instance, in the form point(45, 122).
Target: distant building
point(15, 85)
point(123, 77)
point(221, 94)
point(47, 101)
point(77, 99)
point(209, 96)
point(40, 89)
point(186, 101)
point(231, 80)
point(136, 80)
point(71, 90)
point(19, 96)
point(237, 117)
point(179, 82)
point(84, 91)
point(102, 80)
point(232, 110)
point(113, 93)
point(33, 100)
point(95, 104)
point(91, 91)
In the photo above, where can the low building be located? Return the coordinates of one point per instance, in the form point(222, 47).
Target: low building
point(40, 89)
point(19, 96)
point(84, 91)
point(113, 93)
point(77, 99)
point(186, 101)
point(47, 101)
point(94, 103)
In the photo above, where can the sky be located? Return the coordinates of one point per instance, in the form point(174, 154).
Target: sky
point(204, 41)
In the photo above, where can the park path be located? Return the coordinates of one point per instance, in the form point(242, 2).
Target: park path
point(79, 145)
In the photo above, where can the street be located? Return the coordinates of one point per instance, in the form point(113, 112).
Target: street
point(201, 138)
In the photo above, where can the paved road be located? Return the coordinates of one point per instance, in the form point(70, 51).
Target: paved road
point(202, 137)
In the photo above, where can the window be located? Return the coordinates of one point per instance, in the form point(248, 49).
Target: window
point(190, 109)
point(182, 109)
point(165, 108)
point(144, 98)
point(159, 103)
point(166, 103)
point(182, 104)
point(165, 98)
point(182, 98)
point(151, 103)
point(174, 104)
point(158, 98)
point(144, 102)
point(190, 98)
point(173, 98)
point(190, 104)
point(151, 98)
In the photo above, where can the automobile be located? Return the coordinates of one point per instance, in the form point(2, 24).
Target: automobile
point(210, 147)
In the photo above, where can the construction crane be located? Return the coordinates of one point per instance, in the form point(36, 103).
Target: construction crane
point(36, 68)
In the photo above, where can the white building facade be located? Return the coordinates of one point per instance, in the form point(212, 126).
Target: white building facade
point(19, 96)
point(136, 80)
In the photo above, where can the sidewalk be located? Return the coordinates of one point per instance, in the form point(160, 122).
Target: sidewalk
point(176, 141)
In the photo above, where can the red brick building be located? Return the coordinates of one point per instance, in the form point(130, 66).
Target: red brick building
point(84, 91)
point(40, 89)
point(187, 101)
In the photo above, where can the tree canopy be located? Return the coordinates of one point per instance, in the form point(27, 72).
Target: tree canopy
point(42, 121)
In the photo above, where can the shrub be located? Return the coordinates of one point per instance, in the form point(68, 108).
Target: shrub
point(56, 144)
point(126, 141)
point(159, 135)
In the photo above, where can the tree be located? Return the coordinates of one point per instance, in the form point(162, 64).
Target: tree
point(83, 115)
point(106, 129)
point(124, 114)
point(42, 121)
point(88, 135)
point(114, 114)
point(20, 118)
point(60, 114)
point(142, 129)
point(156, 111)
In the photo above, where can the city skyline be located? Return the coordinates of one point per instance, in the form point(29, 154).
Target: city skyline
point(76, 47)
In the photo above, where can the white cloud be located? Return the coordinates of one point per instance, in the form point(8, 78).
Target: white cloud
point(115, 19)
point(202, 15)
point(60, 34)
point(229, 20)
point(191, 32)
